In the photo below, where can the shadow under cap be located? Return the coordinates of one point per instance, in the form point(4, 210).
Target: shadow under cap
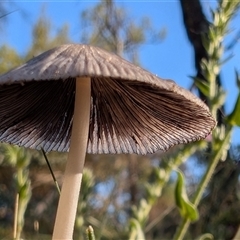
point(132, 110)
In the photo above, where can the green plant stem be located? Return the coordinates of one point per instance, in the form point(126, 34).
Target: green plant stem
point(90, 233)
point(15, 217)
point(211, 168)
point(203, 184)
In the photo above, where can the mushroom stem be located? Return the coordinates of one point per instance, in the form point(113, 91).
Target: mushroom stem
point(67, 207)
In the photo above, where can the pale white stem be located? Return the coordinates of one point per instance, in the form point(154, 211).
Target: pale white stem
point(67, 207)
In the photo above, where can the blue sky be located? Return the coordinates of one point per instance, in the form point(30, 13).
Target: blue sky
point(172, 58)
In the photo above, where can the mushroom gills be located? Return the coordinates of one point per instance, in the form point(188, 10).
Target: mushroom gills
point(126, 116)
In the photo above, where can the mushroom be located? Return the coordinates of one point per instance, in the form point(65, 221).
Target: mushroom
point(83, 99)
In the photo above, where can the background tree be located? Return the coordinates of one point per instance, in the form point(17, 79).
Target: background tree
point(41, 36)
point(109, 26)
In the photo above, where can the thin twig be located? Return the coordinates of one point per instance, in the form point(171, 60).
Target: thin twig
point(51, 171)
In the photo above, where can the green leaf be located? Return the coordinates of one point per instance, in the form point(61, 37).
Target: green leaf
point(234, 117)
point(202, 85)
point(186, 208)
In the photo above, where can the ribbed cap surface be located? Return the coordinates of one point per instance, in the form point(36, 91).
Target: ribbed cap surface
point(132, 110)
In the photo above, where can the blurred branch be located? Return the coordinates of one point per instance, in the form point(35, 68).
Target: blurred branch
point(8, 13)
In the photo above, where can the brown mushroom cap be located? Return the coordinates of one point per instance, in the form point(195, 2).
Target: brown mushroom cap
point(132, 110)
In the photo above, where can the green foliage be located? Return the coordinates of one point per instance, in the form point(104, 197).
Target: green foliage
point(41, 41)
point(135, 229)
point(83, 204)
point(41, 36)
point(9, 59)
point(19, 158)
point(234, 116)
point(186, 208)
point(202, 86)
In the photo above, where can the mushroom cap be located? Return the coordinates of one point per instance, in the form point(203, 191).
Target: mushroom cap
point(132, 110)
